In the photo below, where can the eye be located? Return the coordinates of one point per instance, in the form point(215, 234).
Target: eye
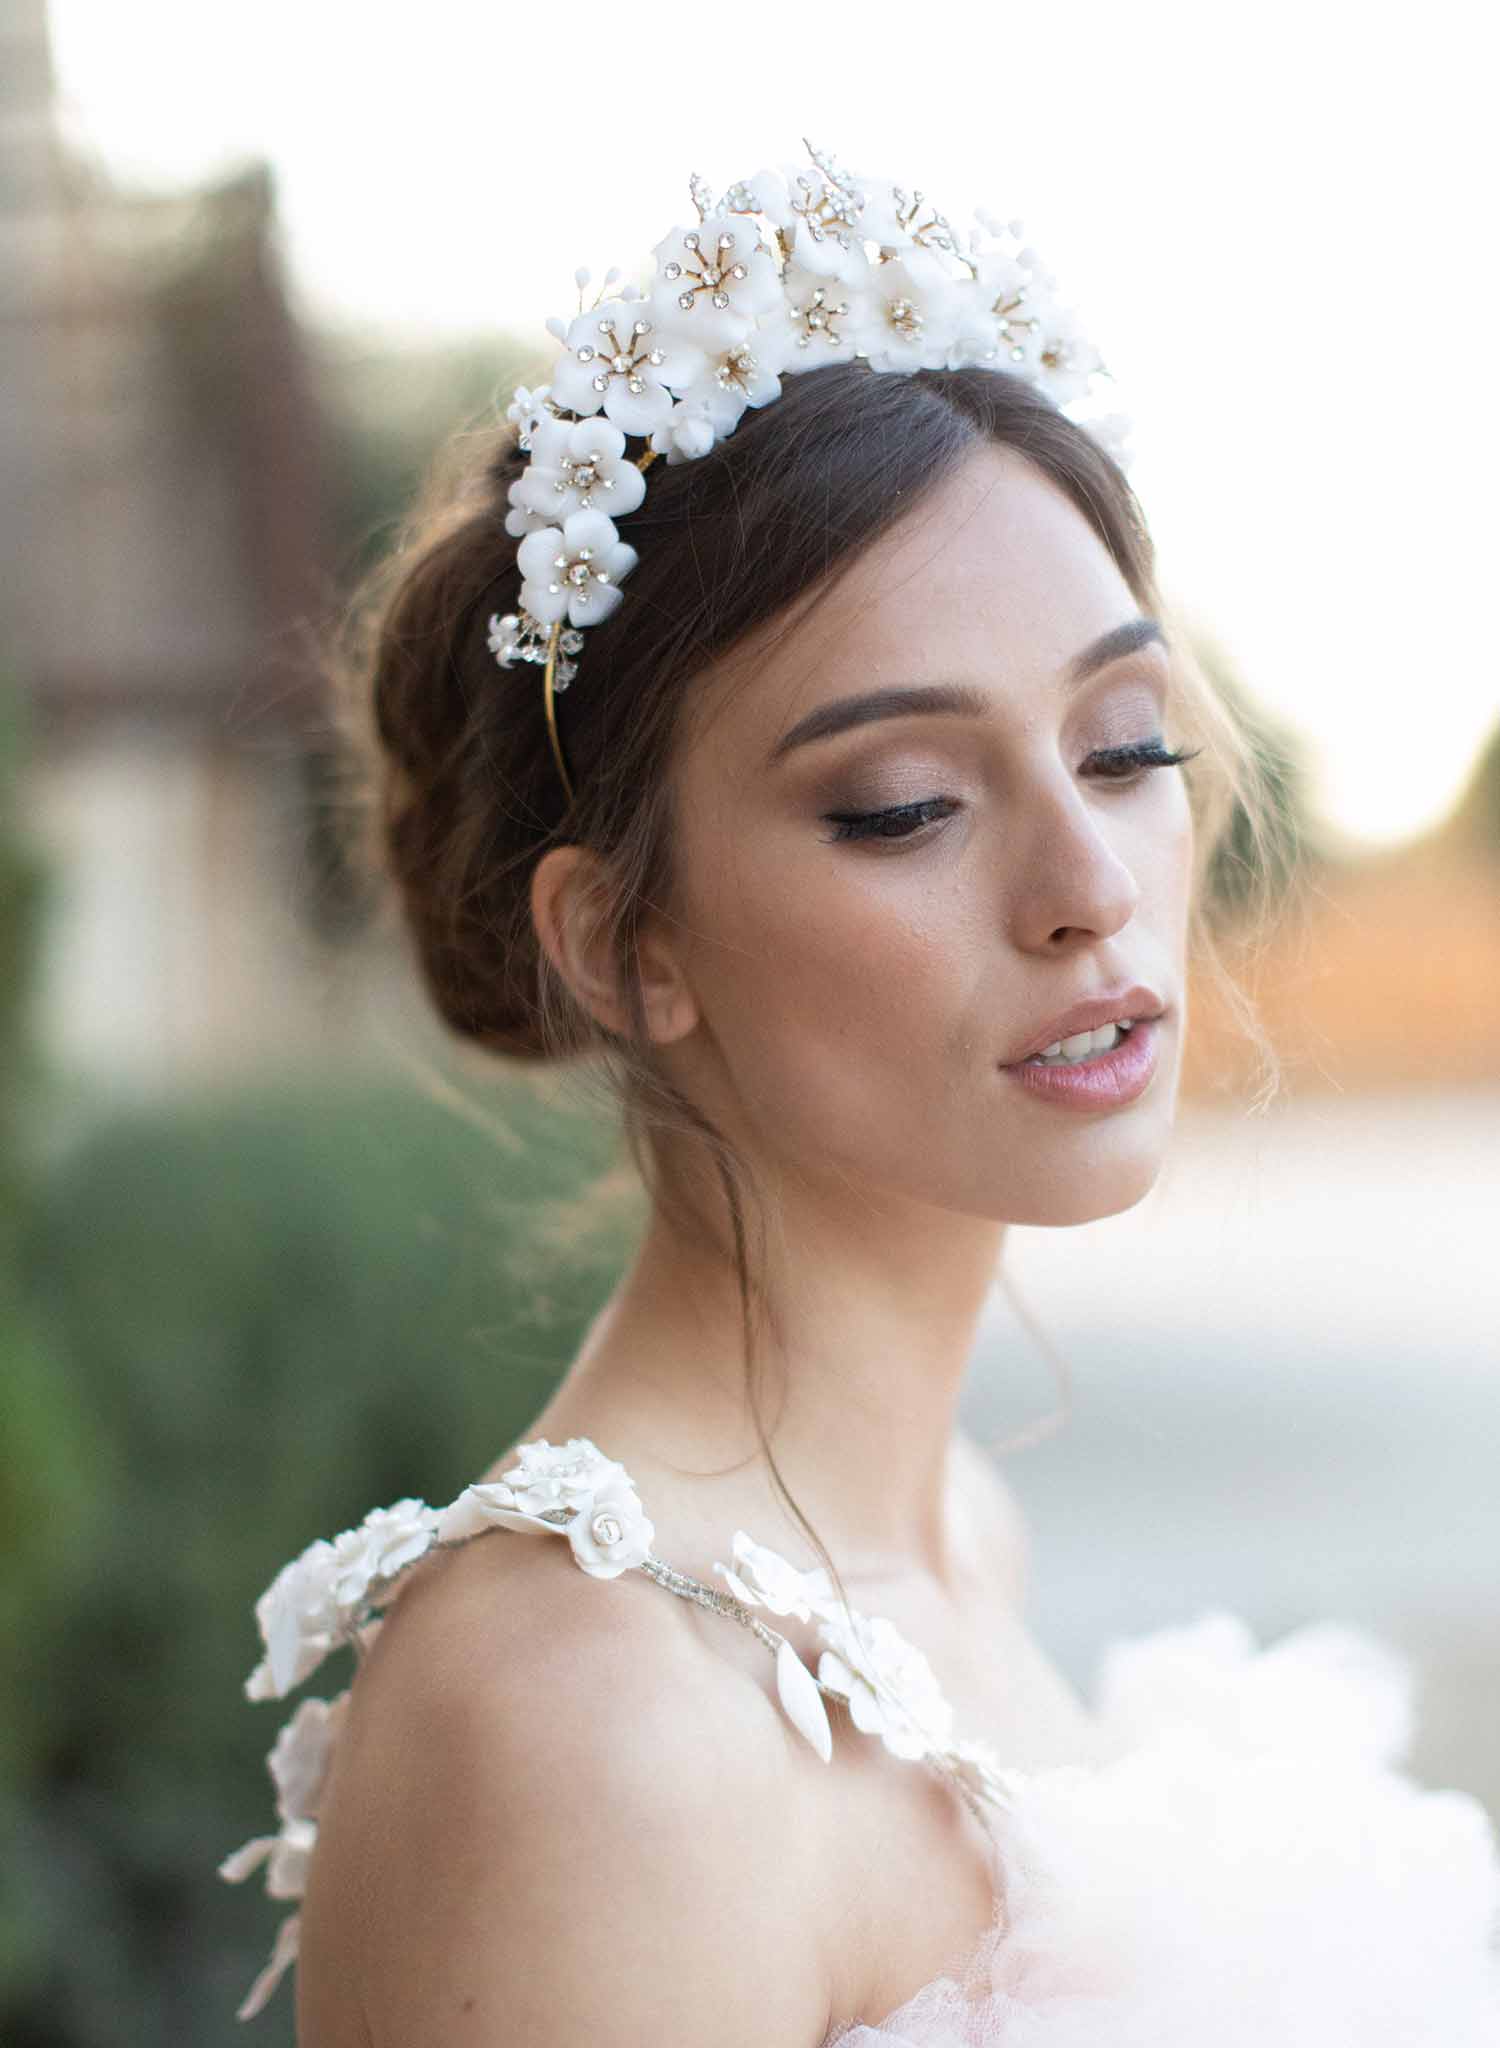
point(1126, 764)
point(901, 821)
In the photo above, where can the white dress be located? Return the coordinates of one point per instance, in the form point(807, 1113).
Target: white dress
point(1250, 1868)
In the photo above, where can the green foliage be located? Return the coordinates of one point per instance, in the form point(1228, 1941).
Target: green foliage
point(276, 1311)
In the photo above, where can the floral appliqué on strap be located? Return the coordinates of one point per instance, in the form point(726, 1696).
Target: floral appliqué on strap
point(327, 1597)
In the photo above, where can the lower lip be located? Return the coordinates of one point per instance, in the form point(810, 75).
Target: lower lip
point(1107, 1081)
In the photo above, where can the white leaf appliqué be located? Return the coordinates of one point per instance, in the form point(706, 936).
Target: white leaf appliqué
point(803, 1702)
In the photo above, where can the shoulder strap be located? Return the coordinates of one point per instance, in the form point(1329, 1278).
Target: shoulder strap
point(328, 1597)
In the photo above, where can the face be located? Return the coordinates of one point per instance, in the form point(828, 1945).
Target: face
point(879, 921)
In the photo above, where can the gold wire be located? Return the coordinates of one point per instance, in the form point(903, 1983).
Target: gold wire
point(643, 461)
point(549, 698)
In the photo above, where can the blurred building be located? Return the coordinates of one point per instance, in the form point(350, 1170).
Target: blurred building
point(162, 532)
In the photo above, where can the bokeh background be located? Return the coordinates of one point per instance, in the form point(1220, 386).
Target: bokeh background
point(271, 1252)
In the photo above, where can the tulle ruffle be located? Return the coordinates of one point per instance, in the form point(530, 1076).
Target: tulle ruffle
point(1249, 1868)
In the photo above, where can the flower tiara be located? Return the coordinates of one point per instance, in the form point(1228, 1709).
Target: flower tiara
point(788, 271)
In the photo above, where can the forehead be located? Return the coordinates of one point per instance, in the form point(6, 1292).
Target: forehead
point(996, 579)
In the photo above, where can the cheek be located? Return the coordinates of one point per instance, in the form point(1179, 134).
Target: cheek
point(839, 981)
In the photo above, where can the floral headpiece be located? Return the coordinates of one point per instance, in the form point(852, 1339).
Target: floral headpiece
point(789, 270)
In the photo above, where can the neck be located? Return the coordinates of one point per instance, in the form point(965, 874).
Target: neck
point(870, 1317)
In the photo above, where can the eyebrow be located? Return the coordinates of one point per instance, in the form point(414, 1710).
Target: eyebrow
point(963, 700)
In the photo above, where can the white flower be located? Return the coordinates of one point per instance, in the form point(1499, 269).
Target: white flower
point(742, 373)
point(1000, 310)
point(520, 519)
point(527, 410)
point(828, 206)
point(574, 572)
point(686, 433)
point(311, 1604)
point(578, 466)
point(907, 316)
point(890, 1686)
point(549, 1475)
point(818, 310)
point(298, 1619)
point(613, 358)
point(609, 1531)
point(287, 1857)
point(1066, 359)
point(761, 1577)
point(713, 281)
point(386, 1541)
point(1112, 430)
point(298, 1762)
point(767, 193)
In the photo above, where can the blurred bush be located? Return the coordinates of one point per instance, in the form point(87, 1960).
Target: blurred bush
point(276, 1311)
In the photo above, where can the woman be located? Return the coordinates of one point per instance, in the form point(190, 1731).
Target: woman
point(851, 840)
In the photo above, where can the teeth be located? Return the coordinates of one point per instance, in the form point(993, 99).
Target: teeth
point(1082, 1045)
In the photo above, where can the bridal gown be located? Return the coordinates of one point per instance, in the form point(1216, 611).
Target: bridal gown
point(1250, 1868)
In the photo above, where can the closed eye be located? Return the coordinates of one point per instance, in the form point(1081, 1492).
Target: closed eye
point(903, 821)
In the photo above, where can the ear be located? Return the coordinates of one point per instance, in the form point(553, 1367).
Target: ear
point(569, 902)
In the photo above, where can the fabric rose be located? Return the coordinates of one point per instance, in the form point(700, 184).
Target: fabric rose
point(609, 1531)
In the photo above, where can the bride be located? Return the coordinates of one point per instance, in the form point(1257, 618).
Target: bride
point(784, 725)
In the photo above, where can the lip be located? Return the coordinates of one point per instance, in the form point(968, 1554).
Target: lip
point(1105, 1081)
point(1137, 1003)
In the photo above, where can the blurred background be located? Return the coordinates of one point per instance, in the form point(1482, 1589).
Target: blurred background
point(271, 1253)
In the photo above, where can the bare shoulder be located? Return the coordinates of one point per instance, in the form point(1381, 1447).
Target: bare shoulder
point(999, 1519)
point(559, 1811)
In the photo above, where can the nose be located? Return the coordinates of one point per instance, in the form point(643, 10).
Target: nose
point(1069, 886)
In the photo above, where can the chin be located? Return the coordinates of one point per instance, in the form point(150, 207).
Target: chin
point(1104, 1188)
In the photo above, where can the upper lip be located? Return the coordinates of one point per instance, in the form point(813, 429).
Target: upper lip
point(1133, 1003)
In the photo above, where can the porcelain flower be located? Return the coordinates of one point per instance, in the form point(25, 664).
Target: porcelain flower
point(890, 1686)
point(614, 359)
point(573, 572)
point(818, 317)
point(761, 1577)
point(744, 373)
point(527, 410)
point(578, 467)
point(908, 315)
point(687, 432)
point(712, 282)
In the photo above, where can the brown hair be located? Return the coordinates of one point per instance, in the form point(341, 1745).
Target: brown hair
point(463, 791)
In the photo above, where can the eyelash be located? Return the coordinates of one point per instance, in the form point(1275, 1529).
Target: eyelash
point(1125, 764)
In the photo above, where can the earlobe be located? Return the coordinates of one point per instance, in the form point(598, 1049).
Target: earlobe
point(570, 901)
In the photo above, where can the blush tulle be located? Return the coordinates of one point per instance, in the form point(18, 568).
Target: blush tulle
point(1250, 1869)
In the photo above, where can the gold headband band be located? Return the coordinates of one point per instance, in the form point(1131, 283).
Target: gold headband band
point(549, 688)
